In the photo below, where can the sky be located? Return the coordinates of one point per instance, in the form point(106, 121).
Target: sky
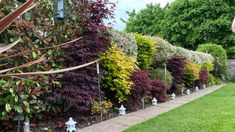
point(129, 5)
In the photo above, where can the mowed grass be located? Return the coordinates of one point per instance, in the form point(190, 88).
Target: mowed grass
point(211, 113)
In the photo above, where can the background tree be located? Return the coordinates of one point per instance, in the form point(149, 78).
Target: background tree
point(191, 22)
point(187, 23)
point(147, 21)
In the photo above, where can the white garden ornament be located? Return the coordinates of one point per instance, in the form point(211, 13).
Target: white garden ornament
point(154, 102)
point(122, 110)
point(71, 125)
point(187, 91)
point(173, 96)
point(197, 89)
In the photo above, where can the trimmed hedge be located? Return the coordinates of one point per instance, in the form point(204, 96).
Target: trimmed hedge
point(208, 65)
point(220, 55)
point(124, 41)
point(165, 51)
point(117, 83)
point(146, 51)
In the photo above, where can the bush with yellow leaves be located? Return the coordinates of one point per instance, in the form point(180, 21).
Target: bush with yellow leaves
point(105, 107)
point(191, 73)
point(119, 68)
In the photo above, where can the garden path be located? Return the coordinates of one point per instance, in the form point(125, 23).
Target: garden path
point(121, 123)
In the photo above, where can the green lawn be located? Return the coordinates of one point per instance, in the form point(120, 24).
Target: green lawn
point(212, 113)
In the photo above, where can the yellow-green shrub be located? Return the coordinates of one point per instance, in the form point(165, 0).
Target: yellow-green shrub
point(191, 73)
point(146, 51)
point(117, 83)
point(106, 107)
point(208, 65)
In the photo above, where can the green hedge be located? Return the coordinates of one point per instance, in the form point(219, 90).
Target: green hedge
point(146, 50)
point(221, 61)
point(159, 74)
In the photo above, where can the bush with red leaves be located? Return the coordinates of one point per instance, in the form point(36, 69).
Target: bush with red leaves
point(203, 76)
point(159, 90)
point(141, 87)
point(93, 13)
point(176, 66)
point(79, 87)
point(144, 85)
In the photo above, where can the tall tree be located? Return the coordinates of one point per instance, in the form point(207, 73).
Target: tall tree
point(187, 23)
point(147, 21)
point(191, 22)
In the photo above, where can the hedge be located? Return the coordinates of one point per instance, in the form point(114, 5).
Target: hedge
point(159, 74)
point(117, 82)
point(191, 73)
point(124, 41)
point(165, 51)
point(146, 51)
point(221, 61)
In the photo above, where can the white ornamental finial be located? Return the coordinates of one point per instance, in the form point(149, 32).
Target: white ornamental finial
point(154, 101)
point(71, 125)
point(173, 96)
point(187, 91)
point(122, 110)
point(197, 89)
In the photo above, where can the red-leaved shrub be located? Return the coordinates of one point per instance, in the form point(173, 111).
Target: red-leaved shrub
point(176, 66)
point(141, 87)
point(159, 90)
point(203, 76)
point(79, 87)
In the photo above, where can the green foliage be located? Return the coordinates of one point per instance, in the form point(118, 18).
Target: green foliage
point(165, 51)
point(125, 41)
point(147, 21)
point(181, 87)
point(106, 107)
point(211, 80)
point(221, 62)
point(208, 65)
point(146, 51)
point(21, 99)
point(231, 52)
point(47, 130)
point(116, 83)
point(191, 73)
point(187, 23)
point(159, 74)
point(192, 22)
point(38, 29)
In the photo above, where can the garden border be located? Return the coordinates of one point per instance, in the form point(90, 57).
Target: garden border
point(121, 123)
